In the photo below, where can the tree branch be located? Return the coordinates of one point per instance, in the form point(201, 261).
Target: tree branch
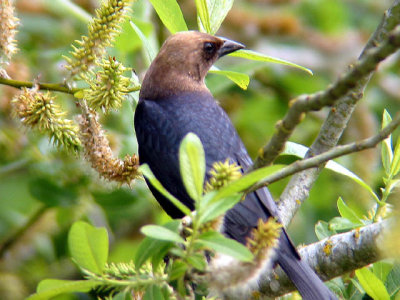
point(305, 103)
point(55, 87)
point(297, 190)
point(331, 257)
point(324, 157)
point(41, 86)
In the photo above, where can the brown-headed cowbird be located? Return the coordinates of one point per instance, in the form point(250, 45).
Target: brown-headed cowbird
point(174, 101)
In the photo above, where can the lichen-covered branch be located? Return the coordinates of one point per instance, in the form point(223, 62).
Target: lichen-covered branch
point(331, 257)
point(297, 190)
point(324, 157)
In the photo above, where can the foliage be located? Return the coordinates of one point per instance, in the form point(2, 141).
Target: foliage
point(44, 190)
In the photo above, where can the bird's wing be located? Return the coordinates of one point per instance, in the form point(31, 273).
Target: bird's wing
point(159, 147)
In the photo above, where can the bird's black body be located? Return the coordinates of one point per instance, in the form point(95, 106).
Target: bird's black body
point(162, 122)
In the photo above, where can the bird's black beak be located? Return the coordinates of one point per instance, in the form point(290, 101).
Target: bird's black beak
point(229, 46)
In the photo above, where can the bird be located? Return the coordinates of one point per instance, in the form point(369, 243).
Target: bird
point(174, 101)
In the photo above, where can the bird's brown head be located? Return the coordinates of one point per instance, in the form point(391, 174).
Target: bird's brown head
point(183, 62)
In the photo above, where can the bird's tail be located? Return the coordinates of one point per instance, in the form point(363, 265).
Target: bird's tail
point(303, 277)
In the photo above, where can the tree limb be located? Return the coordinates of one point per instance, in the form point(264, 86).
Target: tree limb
point(331, 257)
point(344, 85)
point(324, 157)
point(297, 190)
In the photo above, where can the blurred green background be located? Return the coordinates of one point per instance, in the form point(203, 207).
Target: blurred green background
point(43, 190)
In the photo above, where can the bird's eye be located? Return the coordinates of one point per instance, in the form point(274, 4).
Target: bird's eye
point(209, 48)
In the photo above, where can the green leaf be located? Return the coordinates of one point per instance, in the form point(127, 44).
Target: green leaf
point(203, 17)
point(129, 40)
point(50, 288)
point(153, 292)
point(393, 280)
point(177, 270)
point(300, 151)
point(347, 213)
point(212, 13)
point(192, 165)
point(170, 14)
point(386, 150)
point(335, 167)
point(341, 224)
point(382, 269)
point(198, 261)
point(323, 231)
point(219, 243)
point(214, 210)
point(150, 51)
point(395, 167)
point(253, 55)
point(241, 79)
point(151, 248)
point(161, 233)
point(145, 169)
point(50, 194)
point(372, 284)
point(88, 246)
point(245, 182)
point(79, 94)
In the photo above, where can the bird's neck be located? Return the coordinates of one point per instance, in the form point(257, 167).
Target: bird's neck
point(162, 84)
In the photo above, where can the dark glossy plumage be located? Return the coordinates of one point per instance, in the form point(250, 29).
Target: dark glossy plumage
point(173, 102)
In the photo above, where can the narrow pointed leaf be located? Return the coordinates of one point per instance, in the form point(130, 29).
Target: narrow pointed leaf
point(145, 169)
point(395, 167)
point(253, 55)
point(301, 150)
point(386, 150)
point(192, 165)
point(50, 288)
point(347, 212)
point(203, 16)
point(216, 11)
point(219, 243)
point(149, 49)
point(245, 182)
point(241, 79)
point(218, 208)
point(155, 249)
point(170, 14)
point(161, 233)
point(372, 284)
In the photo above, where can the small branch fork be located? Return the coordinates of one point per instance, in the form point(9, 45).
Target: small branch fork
point(306, 103)
point(328, 155)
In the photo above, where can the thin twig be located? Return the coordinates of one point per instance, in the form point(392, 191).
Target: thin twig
point(55, 87)
point(324, 157)
point(11, 240)
point(41, 86)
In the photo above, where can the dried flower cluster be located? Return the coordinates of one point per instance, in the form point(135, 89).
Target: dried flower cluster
point(98, 152)
point(101, 32)
point(8, 29)
point(108, 87)
point(38, 110)
point(222, 173)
